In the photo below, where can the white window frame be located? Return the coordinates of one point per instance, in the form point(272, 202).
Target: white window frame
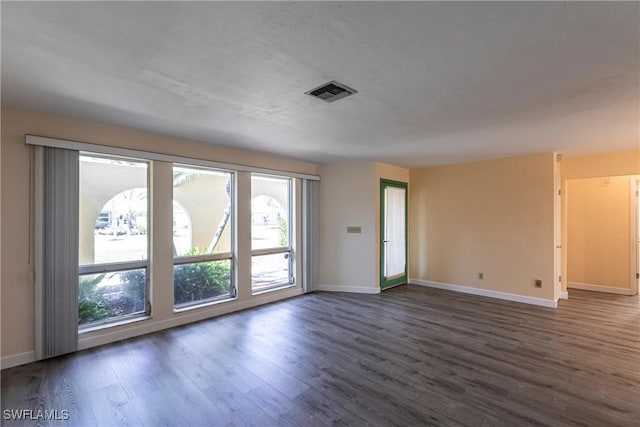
point(116, 267)
point(280, 249)
point(221, 256)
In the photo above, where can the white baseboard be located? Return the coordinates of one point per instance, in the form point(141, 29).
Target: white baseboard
point(564, 295)
point(599, 288)
point(487, 293)
point(17, 359)
point(352, 289)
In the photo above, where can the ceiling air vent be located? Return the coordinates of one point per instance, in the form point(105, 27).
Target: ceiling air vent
point(331, 91)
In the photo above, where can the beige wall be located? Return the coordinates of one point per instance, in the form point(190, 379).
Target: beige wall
point(348, 198)
point(494, 217)
point(598, 231)
point(592, 166)
point(608, 164)
point(17, 290)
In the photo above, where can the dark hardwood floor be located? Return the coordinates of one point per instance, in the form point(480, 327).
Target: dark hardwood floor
point(410, 356)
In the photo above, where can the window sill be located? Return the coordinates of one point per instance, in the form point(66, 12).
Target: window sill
point(273, 288)
point(203, 304)
point(113, 324)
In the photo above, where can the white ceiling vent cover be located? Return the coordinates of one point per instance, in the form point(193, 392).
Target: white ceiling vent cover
point(331, 91)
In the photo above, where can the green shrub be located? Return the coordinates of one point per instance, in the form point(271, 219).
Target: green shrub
point(98, 301)
point(199, 281)
point(192, 282)
point(91, 301)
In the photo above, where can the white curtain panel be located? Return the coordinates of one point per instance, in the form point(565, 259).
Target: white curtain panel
point(395, 256)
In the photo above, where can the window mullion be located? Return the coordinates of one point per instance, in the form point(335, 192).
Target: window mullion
point(112, 267)
point(202, 258)
point(270, 251)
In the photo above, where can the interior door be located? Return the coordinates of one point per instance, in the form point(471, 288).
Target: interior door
point(393, 233)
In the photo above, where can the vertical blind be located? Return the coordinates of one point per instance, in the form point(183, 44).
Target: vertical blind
point(310, 235)
point(57, 252)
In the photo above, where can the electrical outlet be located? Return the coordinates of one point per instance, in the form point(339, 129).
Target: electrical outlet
point(480, 276)
point(538, 283)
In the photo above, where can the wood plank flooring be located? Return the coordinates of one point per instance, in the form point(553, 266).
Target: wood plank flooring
point(410, 356)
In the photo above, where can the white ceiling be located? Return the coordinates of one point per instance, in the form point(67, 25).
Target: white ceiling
point(437, 82)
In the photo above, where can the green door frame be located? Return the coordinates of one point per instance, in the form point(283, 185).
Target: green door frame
point(384, 183)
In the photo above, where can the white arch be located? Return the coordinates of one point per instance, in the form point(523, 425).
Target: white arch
point(182, 229)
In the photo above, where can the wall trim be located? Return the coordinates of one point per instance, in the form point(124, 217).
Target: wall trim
point(352, 289)
point(487, 293)
point(17, 359)
point(564, 295)
point(599, 288)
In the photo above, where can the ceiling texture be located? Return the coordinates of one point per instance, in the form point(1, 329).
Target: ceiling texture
point(436, 82)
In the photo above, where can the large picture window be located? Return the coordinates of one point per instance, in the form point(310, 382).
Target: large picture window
point(113, 239)
point(202, 235)
point(271, 251)
point(94, 247)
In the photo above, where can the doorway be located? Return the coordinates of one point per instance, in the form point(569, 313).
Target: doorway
point(393, 233)
point(602, 234)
